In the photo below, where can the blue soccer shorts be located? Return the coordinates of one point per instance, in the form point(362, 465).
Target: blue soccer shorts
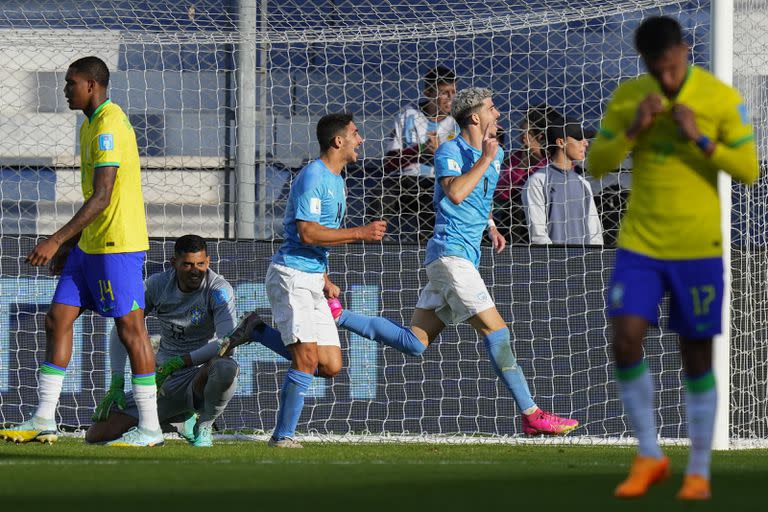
point(112, 285)
point(695, 287)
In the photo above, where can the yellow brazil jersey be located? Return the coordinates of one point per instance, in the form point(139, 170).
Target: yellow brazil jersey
point(107, 140)
point(674, 208)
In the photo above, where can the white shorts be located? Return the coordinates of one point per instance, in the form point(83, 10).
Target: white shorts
point(299, 308)
point(455, 291)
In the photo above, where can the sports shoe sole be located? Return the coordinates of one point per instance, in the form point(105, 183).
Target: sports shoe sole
point(24, 436)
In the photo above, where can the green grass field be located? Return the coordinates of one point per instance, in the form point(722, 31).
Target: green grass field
point(248, 476)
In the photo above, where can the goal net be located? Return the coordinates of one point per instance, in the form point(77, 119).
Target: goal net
point(224, 98)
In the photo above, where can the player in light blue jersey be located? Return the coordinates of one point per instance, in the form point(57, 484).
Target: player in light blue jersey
point(466, 172)
point(297, 280)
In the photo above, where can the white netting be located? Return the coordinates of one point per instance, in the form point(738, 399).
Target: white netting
point(224, 101)
point(749, 371)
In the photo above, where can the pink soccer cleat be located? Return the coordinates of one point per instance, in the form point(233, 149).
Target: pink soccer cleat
point(542, 422)
point(336, 308)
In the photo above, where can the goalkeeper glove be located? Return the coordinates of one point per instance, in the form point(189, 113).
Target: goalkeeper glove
point(115, 395)
point(167, 368)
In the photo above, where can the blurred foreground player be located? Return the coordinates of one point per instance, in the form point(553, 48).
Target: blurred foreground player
point(682, 125)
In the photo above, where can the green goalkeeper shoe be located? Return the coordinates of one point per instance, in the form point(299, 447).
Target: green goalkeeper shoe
point(203, 436)
point(138, 438)
point(36, 430)
point(187, 429)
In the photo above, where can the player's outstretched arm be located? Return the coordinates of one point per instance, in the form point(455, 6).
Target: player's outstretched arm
point(313, 233)
point(103, 183)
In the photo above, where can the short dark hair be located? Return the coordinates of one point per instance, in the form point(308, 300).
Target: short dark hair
point(561, 127)
point(330, 126)
point(656, 35)
point(94, 68)
point(437, 76)
point(189, 243)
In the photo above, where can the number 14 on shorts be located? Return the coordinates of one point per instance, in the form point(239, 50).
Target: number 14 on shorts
point(105, 288)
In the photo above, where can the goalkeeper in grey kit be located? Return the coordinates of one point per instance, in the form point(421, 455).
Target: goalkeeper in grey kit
point(197, 314)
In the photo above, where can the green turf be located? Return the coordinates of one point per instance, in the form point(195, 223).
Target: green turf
point(248, 476)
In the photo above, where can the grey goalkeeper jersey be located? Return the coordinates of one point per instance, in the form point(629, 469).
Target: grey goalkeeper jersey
point(189, 320)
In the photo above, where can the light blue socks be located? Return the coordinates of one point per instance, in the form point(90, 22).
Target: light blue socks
point(270, 338)
point(505, 366)
point(292, 394)
point(383, 331)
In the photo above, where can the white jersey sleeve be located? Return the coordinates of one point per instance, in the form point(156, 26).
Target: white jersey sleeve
point(534, 196)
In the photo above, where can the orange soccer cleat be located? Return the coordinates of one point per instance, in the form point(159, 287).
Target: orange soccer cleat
point(645, 472)
point(695, 488)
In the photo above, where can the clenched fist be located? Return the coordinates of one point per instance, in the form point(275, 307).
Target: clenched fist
point(374, 231)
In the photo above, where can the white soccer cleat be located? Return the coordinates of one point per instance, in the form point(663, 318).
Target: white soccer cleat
point(138, 438)
point(285, 442)
point(36, 430)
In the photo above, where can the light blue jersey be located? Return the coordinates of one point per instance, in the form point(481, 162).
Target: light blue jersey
point(317, 195)
point(459, 227)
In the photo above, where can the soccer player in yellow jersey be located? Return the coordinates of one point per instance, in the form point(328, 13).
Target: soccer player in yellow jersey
point(100, 255)
point(682, 126)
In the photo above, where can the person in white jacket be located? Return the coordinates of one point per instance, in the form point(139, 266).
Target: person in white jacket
point(558, 201)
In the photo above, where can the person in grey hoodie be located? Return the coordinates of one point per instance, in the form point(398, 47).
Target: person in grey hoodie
point(558, 201)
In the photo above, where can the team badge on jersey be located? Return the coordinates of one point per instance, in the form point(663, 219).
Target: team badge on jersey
point(743, 114)
point(196, 315)
point(220, 296)
point(315, 205)
point(106, 142)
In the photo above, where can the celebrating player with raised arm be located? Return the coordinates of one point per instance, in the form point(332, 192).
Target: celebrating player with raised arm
point(297, 280)
point(104, 246)
point(682, 125)
point(466, 172)
point(196, 310)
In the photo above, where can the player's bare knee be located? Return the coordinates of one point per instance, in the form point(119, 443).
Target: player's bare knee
point(329, 370)
point(305, 357)
point(52, 322)
point(627, 348)
point(94, 433)
point(130, 336)
point(696, 355)
point(103, 431)
point(423, 337)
